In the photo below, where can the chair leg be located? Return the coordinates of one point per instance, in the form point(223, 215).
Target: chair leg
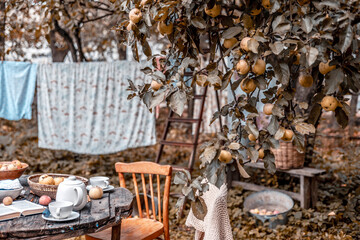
point(115, 232)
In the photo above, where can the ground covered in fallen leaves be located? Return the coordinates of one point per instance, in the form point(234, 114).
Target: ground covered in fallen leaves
point(336, 215)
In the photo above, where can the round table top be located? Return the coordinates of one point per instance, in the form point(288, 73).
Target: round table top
point(96, 215)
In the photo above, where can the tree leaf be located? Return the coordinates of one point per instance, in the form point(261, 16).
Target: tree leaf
point(234, 146)
point(196, 184)
point(341, 117)
point(278, 111)
point(314, 114)
point(135, 51)
point(199, 208)
point(276, 47)
point(156, 98)
point(299, 142)
point(215, 116)
point(304, 105)
point(275, 6)
point(209, 154)
point(251, 128)
point(253, 154)
point(180, 178)
point(198, 22)
point(178, 101)
point(273, 125)
point(180, 202)
point(305, 128)
point(231, 32)
point(281, 25)
point(346, 38)
point(279, 133)
point(307, 24)
point(188, 192)
point(146, 47)
point(253, 45)
point(269, 162)
point(282, 73)
point(242, 171)
point(132, 85)
point(311, 55)
point(226, 79)
point(333, 80)
point(214, 80)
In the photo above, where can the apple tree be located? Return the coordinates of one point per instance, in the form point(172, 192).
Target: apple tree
point(309, 46)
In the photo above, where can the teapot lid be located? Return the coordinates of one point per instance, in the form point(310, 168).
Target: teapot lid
point(72, 181)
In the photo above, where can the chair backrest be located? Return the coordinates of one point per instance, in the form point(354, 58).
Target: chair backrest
point(152, 169)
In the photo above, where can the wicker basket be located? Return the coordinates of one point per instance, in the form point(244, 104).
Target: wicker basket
point(287, 157)
point(50, 190)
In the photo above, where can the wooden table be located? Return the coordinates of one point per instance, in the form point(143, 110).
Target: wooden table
point(96, 216)
point(308, 184)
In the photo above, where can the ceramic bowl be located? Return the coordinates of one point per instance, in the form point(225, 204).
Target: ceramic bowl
point(12, 174)
point(11, 193)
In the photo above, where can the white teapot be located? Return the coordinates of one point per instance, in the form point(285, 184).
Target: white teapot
point(74, 191)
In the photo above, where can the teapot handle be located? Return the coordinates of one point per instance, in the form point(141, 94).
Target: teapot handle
point(80, 196)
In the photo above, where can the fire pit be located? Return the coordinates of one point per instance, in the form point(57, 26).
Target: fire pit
point(269, 205)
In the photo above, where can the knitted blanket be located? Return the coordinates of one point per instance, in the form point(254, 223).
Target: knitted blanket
point(216, 224)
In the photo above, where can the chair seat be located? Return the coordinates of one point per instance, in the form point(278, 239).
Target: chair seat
point(131, 229)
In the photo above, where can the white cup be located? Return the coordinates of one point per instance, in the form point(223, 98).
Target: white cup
point(102, 182)
point(61, 209)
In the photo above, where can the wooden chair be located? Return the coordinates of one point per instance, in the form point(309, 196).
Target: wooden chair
point(145, 227)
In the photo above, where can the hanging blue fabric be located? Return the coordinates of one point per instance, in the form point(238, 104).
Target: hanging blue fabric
point(17, 89)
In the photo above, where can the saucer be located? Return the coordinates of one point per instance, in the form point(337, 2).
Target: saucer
point(73, 215)
point(107, 189)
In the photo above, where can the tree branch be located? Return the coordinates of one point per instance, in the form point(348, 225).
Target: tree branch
point(97, 18)
point(103, 9)
point(67, 38)
point(78, 41)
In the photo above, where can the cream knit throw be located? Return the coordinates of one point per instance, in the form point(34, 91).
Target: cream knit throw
point(216, 224)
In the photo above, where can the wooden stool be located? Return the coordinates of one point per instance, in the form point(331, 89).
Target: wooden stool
point(308, 184)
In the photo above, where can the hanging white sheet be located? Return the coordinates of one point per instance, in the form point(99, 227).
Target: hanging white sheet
point(83, 108)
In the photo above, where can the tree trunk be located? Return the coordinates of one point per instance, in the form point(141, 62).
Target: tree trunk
point(58, 54)
point(2, 30)
point(306, 95)
point(67, 38)
point(352, 117)
point(122, 51)
point(79, 44)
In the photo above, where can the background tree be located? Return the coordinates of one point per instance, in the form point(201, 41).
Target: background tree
point(2, 30)
point(310, 47)
point(83, 28)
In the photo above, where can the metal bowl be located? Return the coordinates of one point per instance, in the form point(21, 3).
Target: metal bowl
point(13, 193)
point(135, 211)
point(271, 201)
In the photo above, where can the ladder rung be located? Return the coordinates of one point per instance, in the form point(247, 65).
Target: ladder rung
point(179, 168)
point(206, 50)
point(181, 144)
point(185, 120)
point(176, 194)
point(188, 74)
point(198, 96)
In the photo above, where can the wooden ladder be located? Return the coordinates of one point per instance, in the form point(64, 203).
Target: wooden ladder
point(190, 120)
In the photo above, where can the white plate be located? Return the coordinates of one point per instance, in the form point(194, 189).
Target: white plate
point(73, 215)
point(107, 189)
